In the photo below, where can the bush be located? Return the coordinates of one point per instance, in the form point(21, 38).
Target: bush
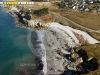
point(41, 12)
point(61, 5)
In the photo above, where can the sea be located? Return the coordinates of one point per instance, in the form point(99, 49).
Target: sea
point(15, 56)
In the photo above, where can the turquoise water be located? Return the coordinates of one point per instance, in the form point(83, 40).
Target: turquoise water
point(14, 50)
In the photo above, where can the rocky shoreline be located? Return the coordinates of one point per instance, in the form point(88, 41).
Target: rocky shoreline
point(25, 20)
point(73, 63)
point(61, 55)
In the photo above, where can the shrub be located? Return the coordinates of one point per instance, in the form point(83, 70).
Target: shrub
point(41, 12)
point(61, 5)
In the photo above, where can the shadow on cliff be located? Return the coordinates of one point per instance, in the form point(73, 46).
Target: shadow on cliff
point(88, 64)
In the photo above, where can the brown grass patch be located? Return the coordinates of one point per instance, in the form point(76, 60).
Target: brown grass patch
point(55, 10)
point(47, 18)
point(87, 19)
point(96, 35)
point(81, 39)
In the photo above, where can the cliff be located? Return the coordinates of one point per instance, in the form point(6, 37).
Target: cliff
point(51, 42)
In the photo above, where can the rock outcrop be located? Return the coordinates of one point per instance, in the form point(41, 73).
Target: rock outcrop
point(51, 44)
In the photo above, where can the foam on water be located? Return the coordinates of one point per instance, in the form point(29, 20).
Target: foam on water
point(35, 41)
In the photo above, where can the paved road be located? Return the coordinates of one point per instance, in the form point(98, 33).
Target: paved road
point(75, 23)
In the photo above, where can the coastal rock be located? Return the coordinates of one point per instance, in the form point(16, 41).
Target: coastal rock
point(79, 60)
point(54, 40)
point(74, 55)
point(50, 42)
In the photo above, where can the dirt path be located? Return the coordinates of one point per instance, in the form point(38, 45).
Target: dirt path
point(91, 30)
